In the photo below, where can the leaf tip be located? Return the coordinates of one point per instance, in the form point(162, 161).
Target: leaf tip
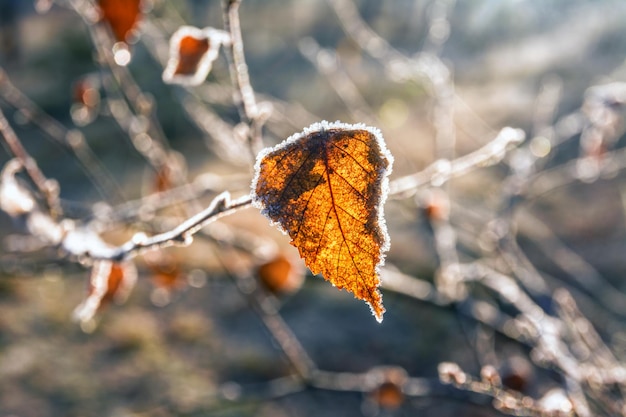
point(378, 312)
point(375, 302)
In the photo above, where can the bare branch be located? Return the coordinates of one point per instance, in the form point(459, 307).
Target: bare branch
point(244, 94)
point(444, 170)
point(48, 188)
point(182, 235)
point(72, 139)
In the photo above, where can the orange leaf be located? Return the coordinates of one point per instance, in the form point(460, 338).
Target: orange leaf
point(326, 187)
point(192, 52)
point(109, 281)
point(389, 390)
point(121, 16)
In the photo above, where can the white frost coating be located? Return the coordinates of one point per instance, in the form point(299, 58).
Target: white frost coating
point(44, 228)
point(215, 37)
point(86, 241)
point(383, 173)
point(99, 285)
point(15, 200)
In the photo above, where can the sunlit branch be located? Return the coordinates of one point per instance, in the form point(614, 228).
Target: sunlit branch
point(477, 310)
point(444, 170)
point(182, 235)
point(568, 173)
point(133, 110)
point(244, 94)
point(577, 268)
point(203, 185)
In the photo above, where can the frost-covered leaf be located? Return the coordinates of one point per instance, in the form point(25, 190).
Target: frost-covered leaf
point(326, 187)
point(192, 52)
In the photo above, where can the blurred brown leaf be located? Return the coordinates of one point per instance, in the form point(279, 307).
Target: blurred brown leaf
point(121, 16)
point(280, 276)
point(192, 52)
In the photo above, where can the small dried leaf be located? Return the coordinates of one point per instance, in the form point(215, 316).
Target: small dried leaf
point(166, 271)
point(108, 282)
point(120, 281)
point(192, 52)
point(280, 276)
point(163, 180)
point(86, 98)
point(388, 395)
point(517, 373)
point(436, 205)
point(121, 16)
point(326, 187)
point(389, 389)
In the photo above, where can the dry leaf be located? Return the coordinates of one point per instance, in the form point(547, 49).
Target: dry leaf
point(86, 91)
point(163, 180)
point(86, 100)
point(280, 276)
point(326, 187)
point(192, 52)
point(109, 281)
point(435, 205)
point(389, 389)
point(166, 270)
point(121, 16)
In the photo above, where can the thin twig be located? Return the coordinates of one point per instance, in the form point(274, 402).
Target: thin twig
point(244, 94)
point(444, 170)
point(183, 233)
point(49, 188)
point(326, 61)
point(265, 306)
point(70, 139)
point(134, 110)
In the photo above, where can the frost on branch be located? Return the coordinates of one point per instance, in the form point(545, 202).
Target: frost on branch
point(109, 281)
point(15, 200)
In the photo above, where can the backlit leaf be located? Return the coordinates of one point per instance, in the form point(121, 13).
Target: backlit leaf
point(121, 16)
point(326, 187)
point(192, 52)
